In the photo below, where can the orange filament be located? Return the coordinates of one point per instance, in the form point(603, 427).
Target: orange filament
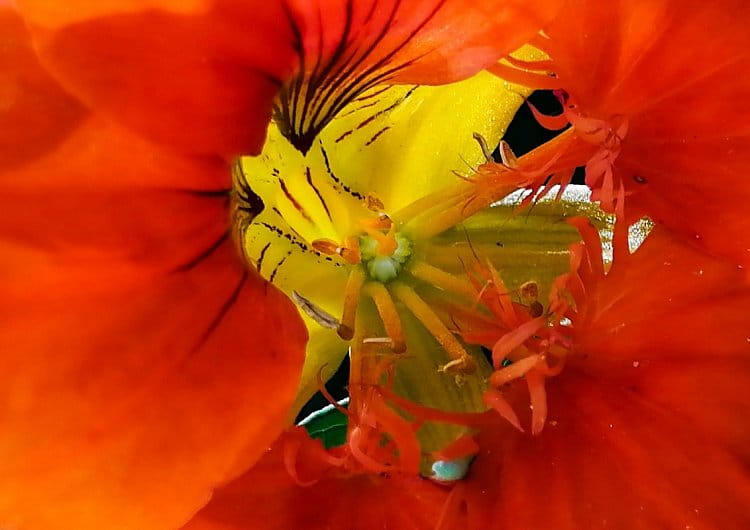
point(539, 80)
point(514, 339)
point(444, 280)
point(351, 300)
point(381, 222)
point(507, 155)
point(461, 362)
point(389, 315)
point(387, 243)
point(424, 413)
point(297, 442)
point(360, 454)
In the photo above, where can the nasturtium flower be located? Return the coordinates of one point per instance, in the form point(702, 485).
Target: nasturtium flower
point(505, 372)
point(655, 103)
point(379, 252)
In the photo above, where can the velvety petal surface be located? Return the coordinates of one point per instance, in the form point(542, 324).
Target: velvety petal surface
point(646, 425)
point(658, 87)
point(198, 75)
point(38, 113)
point(140, 355)
point(266, 497)
point(645, 450)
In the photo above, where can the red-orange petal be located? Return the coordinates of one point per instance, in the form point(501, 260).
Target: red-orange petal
point(142, 363)
point(35, 113)
point(267, 498)
point(200, 76)
point(668, 299)
point(675, 71)
point(423, 41)
point(664, 447)
point(348, 47)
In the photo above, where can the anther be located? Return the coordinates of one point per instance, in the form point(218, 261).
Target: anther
point(373, 203)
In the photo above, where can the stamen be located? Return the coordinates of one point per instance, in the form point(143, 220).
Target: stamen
point(325, 246)
point(351, 300)
point(381, 222)
point(444, 280)
point(388, 313)
point(463, 446)
point(463, 364)
point(373, 203)
point(483, 146)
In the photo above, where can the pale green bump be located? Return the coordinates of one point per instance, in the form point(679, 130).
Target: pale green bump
point(384, 268)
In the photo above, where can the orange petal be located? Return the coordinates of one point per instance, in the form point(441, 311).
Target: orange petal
point(667, 299)
point(659, 447)
point(197, 77)
point(675, 72)
point(267, 498)
point(35, 113)
point(142, 363)
point(623, 454)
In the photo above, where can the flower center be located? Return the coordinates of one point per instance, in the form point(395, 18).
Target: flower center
point(382, 261)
